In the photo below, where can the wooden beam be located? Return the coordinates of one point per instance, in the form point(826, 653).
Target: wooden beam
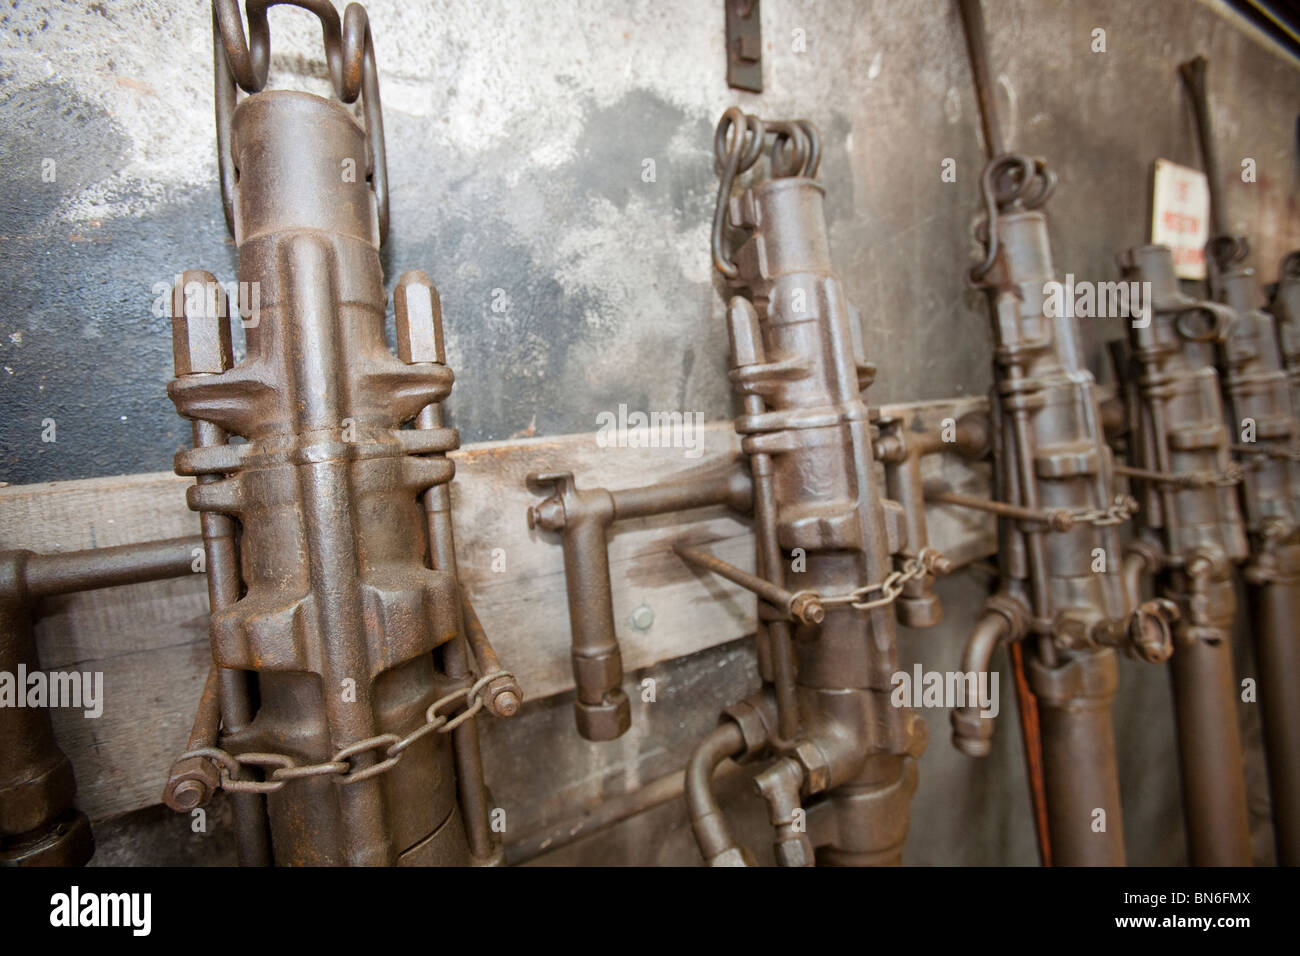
point(150, 640)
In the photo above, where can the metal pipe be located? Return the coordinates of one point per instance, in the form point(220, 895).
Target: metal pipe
point(774, 637)
point(973, 21)
point(804, 606)
point(1205, 707)
point(730, 486)
point(601, 707)
point(503, 696)
point(1057, 519)
point(1193, 76)
point(39, 826)
point(972, 733)
point(470, 787)
point(47, 575)
point(235, 687)
point(779, 785)
point(1080, 773)
point(707, 819)
point(1275, 606)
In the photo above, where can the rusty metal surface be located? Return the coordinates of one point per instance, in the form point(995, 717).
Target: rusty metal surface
point(1191, 532)
point(39, 826)
point(892, 491)
point(1265, 425)
point(582, 516)
point(797, 362)
point(1050, 453)
point(348, 638)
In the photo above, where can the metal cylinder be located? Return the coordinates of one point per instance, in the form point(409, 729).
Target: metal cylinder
point(854, 744)
point(1209, 740)
point(343, 616)
point(1080, 773)
point(38, 824)
point(1275, 607)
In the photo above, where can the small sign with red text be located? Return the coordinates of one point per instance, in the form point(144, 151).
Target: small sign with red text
point(1180, 216)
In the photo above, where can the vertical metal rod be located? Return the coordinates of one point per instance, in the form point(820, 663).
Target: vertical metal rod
point(973, 20)
point(252, 836)
point(464, 739)
point(1214, 788)
point(1275, 606)
point(1193, 76)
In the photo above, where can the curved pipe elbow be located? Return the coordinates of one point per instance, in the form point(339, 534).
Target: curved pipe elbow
point(707, 820)
point(972, 733)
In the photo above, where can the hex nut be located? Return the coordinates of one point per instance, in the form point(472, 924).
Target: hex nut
point(816, 768)
point(418, 312)
point(608, 720)
point(200, 325)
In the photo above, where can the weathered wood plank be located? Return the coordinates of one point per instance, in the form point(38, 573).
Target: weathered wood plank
point(149, 640)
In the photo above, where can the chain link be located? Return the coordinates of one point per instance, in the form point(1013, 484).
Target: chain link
point(341, 766)
point(1119, 511)
point(888, 589)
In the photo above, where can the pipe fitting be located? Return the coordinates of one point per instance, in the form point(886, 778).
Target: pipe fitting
point(779, 785)
point(972, 733)
point(708, 822)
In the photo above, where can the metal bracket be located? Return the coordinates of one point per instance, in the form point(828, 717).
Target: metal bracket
point(744, 46)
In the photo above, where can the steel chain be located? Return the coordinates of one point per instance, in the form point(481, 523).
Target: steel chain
point(341, 765)
point(1119, 511)
point(890, 588)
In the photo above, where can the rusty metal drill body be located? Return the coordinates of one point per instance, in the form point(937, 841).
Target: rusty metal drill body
point(809, 438)
point(1062, 589)
point(1191, 536)
point(826, 641)
point(1278, 607)
point(1258, 392)
point(347, 636)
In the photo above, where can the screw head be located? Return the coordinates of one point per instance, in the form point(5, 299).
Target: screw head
point(642, 617)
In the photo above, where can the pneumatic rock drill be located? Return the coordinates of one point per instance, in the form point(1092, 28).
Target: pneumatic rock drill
point(824, 723)
point(342, 644)
point(1191, 534)
point(1264, 423)
point(1061, 585)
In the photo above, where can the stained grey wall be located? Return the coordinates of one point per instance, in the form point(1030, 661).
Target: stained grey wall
point(516, 140)
point(517, 135)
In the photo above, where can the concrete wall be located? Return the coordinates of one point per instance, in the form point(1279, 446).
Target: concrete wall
point(517, 135)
